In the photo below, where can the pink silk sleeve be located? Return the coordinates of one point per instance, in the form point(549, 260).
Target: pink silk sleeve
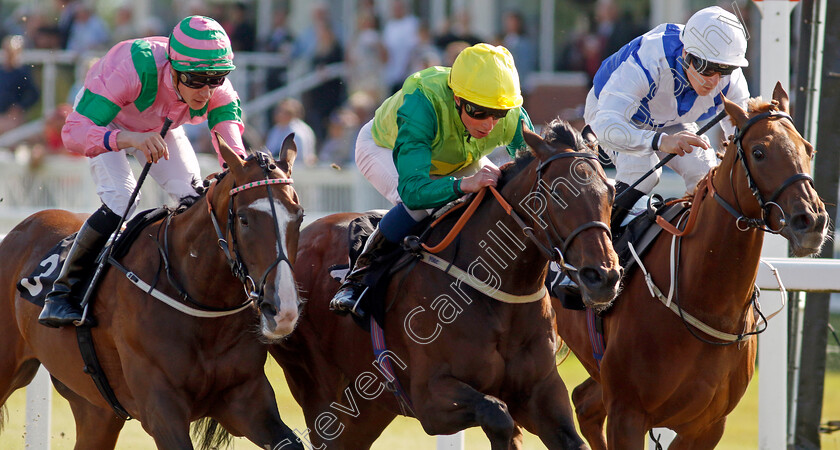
point(231, 132)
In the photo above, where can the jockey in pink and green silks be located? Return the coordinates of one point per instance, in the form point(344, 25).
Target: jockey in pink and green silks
point(126, 97)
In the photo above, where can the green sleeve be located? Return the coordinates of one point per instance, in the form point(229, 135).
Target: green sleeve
point(416, 131)
point(518, 142)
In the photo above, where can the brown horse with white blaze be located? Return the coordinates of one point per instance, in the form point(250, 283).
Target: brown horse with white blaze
point(686, 366)
point(463, 357)
point(199, 355)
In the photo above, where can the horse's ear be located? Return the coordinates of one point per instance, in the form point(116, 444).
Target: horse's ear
point(736, 113)
point(536, 142)
point(234, 162)
point(288, 153)
point(781, 96)
point(590, 139)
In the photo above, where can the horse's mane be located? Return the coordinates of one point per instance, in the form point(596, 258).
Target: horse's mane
point(557, 132)
point(184, 203)
point(560, 131)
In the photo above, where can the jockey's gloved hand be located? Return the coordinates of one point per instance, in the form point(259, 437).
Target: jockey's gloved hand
point(681, 143)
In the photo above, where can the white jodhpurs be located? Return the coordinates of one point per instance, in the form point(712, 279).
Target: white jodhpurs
point(177, 175)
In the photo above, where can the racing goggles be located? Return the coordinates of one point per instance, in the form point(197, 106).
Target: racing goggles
point(197, 80)
point(480, 113)
point(708, 68)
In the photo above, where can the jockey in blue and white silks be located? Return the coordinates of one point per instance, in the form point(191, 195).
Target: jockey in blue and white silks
point(648, 96)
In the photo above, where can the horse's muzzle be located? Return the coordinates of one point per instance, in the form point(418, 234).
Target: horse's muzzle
point(806, 231)
point(277, 323)
point(599, 286)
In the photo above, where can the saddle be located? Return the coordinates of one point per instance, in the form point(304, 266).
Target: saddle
point(639, 229)
point(38, 284)
point(358, 232)
point(386, 265)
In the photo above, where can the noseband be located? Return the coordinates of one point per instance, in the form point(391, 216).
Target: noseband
point(743, 222)
point(254, 291)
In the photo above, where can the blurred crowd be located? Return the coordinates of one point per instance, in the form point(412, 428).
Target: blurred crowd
point(598, 35)
point(383, 50)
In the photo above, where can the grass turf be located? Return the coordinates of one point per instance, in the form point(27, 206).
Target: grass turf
point(403, 433)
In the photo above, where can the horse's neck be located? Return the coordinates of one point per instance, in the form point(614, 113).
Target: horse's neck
point(717, 259)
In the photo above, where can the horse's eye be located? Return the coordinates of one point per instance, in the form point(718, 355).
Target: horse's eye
point(243, 219)
point(758, 154)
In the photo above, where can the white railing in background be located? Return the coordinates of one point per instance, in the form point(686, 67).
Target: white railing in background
point(65, 182)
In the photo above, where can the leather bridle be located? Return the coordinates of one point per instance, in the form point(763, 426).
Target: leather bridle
point(742, 221)
point(255, 291)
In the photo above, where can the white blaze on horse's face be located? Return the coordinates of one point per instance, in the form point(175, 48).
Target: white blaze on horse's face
point(283, 281)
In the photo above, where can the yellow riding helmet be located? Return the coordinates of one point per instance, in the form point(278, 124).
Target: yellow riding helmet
point(484, 74)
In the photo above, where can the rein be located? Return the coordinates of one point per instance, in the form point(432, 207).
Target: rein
point(253, 291)
point(705, 186)
point(234, 259)
point(552, 252)
point(198, 309)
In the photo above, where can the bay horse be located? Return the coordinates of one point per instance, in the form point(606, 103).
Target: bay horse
point(661, 370)
point(462, 357)
point(167, 366)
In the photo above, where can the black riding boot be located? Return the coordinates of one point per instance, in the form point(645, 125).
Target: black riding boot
point(622, 206)
point(61, 306)
point(347, 298)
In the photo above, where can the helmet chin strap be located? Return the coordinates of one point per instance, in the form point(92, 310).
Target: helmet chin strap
point(458, 107)
point(175, 84)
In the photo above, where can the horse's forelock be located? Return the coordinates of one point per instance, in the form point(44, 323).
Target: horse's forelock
point(757, 105)
point(561, 132)
point(273, 164)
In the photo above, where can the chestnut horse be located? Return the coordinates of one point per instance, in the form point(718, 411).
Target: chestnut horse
point(661, 370)
point(167, 366)
point(463, 358)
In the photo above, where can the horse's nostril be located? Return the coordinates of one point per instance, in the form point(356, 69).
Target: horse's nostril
point(801, 222)
point(591, 277)
point(268, 309)
point(614, 276)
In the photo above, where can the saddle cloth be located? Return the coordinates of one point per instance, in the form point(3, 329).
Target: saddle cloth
point(38, 284)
